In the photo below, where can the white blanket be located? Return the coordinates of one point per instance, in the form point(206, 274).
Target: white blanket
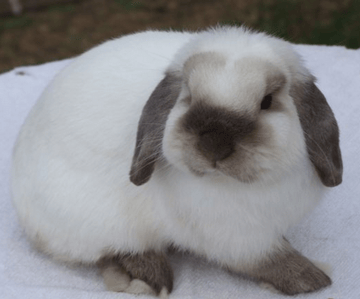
point(330, 234)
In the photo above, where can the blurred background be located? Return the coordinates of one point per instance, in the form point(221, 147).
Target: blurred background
point(37, 31)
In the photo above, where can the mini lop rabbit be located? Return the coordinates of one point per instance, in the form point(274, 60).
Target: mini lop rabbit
point(228, 143)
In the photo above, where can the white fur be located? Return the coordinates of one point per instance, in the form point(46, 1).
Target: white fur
point(70, 179)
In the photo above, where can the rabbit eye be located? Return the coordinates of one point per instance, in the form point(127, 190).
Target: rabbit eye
point(266, 102)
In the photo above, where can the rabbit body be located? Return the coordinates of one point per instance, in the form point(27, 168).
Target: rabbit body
point(65, 152)
point(70, 178)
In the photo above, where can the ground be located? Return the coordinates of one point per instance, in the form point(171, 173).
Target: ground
point(62, 31)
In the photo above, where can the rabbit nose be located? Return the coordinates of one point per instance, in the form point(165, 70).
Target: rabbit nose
point(216, 146)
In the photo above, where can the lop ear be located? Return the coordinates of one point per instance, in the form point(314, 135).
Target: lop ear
point(321, 131)
point(151, 128)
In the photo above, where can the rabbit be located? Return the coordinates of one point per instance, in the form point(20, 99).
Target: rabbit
point(215, 142)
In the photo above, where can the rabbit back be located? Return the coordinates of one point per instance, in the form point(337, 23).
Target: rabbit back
point(71, 161)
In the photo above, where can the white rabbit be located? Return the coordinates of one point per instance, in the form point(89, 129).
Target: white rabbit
point(233, 145)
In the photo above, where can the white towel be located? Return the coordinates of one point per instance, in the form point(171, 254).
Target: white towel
point(329, 234)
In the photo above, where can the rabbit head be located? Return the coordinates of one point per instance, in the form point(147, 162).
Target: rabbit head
point(243, 107)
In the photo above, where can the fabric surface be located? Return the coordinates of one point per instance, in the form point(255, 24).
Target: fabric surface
point(329, 234)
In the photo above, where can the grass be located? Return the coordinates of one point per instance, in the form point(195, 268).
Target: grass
point(11, 23)
point(309, 23)
point(129, 4)
point(62, 8)
point(62, 31)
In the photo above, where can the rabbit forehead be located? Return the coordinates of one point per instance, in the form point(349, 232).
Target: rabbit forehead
point(233, 83)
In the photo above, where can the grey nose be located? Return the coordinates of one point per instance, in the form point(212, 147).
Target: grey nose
point(216, 146)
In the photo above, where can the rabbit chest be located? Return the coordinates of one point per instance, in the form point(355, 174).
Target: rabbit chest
point(230, 221)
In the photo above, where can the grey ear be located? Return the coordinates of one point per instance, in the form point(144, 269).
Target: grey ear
point(321, 132)
point(151, 128)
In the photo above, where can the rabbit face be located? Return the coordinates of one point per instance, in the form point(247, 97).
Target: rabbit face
point(233, 118)
point(238, 104)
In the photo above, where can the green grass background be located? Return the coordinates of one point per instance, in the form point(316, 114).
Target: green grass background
point(61, 31)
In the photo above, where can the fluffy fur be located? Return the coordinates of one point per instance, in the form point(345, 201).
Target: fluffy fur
point(231, 204)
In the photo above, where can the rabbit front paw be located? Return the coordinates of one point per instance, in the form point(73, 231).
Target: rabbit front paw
point(146, 273)
point(291, 273)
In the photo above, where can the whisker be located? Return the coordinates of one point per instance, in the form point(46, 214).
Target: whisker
point(153, 123)
point(324, 155)
point(159, 158)
point(144, 140)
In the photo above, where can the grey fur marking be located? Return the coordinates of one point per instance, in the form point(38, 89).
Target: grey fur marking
point(151, 267)
point(290, 272)
point(321, 132)
point(151, 128)
point(216, 129)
